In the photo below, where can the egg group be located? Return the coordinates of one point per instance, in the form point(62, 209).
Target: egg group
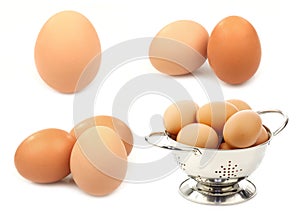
point(221, 125)
point(93, 152)
point(233, 49)
point(67, 56)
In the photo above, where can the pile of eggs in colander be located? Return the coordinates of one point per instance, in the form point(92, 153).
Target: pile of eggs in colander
point(230, 124)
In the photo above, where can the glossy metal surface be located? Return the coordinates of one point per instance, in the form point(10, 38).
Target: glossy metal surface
point(217, 195)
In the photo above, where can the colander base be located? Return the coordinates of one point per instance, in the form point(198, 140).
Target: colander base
point(217, 195)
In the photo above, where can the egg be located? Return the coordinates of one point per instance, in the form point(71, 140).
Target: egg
point(67, 52)
point(179, 48)
point(225, 146)
point(115, 124)
point(198, 135)
point(263, 136)
point(179, 114)
point(215, 114)
point(44, 156)
point(240, 105)
point(242, 129)
point(98, 161)
point(234, 50)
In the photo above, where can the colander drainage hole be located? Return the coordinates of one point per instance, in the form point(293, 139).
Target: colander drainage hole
point(231, 170)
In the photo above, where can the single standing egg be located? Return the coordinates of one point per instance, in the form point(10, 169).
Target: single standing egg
point(242, 129)
point(67, 52)
point(98, 161)
point(44, 157)
point(114, 123)
point(179, 48)
point(179, 114)
point(234, 50)
point(198, 135)
point(215, 114)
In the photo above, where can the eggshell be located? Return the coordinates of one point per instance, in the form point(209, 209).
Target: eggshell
point(179, 114)
point(225, 146)
point(240, 105)
point(179, 48)
point(67, 52)
point(44, 156)
point(263, 137)
point(215, 114)
point(198, 135)
point(98, 161)
point(234, 50)
point(114, 123)
point(242, 129)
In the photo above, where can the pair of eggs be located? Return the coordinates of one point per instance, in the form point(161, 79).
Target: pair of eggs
point(233, 49)
point(95, 153)
point(224, 125)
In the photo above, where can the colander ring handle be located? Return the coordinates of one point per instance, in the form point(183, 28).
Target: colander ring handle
point(284, 123)
point(163, 135)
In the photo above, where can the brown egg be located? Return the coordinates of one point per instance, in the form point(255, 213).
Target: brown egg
point(44, 156)
point(215, 114)
point(234, 50)
point(98, 161)
point(179, 48)
point(114, 123)
point(179, 114)
point(67, 52)
point(225, 146)
point(263, 137)
point(198, 135)
point(240, 105)
point(242, 129)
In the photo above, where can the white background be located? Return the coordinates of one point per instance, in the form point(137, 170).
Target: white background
point(28, 105)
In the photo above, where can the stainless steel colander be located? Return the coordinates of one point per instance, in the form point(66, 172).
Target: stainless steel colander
point(217, 176)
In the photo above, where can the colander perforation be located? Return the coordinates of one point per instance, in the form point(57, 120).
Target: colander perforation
point(228, 170)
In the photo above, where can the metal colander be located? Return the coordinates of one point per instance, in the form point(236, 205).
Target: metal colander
point(217, 176)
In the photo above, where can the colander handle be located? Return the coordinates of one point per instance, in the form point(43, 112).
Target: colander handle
point(155, 139)
point(284, 123)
